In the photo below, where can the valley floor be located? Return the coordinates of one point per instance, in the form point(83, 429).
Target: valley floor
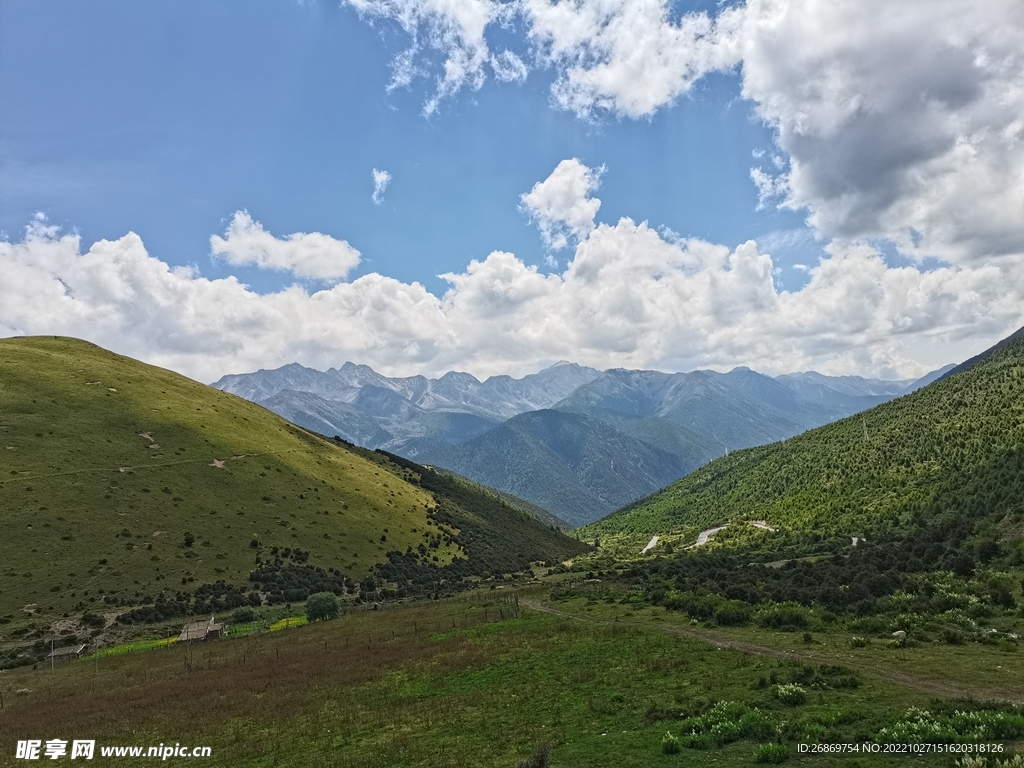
point(949, 672)
point(477, 680)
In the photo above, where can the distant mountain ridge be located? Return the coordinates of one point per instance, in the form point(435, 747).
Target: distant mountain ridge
point(497, 398)
point(573, 440)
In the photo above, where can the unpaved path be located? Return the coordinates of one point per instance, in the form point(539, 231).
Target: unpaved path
point(937, 686)
point(703, 536)
point(650, 545)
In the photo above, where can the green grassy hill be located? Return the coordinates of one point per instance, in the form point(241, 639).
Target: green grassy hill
point(954, 448)
point(121, 482)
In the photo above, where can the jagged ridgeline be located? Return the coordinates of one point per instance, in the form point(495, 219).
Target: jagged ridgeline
point(953, 450)
point(123, 484)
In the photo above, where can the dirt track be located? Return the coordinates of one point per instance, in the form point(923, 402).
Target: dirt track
point(937, 686)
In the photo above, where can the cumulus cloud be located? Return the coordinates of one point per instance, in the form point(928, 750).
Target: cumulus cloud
point(628, 297)
point(453, 28)
point(902, 121)
point(312, 255)
point(381, 179)
point(561, 205)
point(624, 56)
point(895, 117)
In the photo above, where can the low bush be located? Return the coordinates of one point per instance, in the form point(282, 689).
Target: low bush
point(670, 744)
point(790, 694)
point(771, 753)
point(725, 723)
point(785, 617)
point(920, 726)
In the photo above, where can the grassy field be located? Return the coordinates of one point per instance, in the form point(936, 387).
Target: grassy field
point(973, 670)
point(467, 681)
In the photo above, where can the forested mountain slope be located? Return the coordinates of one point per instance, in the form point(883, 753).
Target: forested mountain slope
point(955, 446)
point(577, 467)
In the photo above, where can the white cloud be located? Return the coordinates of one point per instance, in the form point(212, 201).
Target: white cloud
point(624, 56)
point(561, 204)
point(455, 28)
point(508, 67)
point(628, 297)
point(381, 179)
point(313, 255)
point(782, 240)
point(896, 116)
point(893, 118)
point(769, 188)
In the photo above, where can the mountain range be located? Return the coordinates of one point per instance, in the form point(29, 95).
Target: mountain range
point(574, 440)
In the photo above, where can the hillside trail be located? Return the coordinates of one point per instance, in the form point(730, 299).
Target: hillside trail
point(933, 685)
point(704, 536)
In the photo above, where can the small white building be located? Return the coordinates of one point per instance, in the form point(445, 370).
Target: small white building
point(200, 631)
point(67, 653)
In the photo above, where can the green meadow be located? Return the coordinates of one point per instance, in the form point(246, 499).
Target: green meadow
point(474, 681)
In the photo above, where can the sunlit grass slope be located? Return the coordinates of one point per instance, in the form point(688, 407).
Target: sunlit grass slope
point(119, 480)
point(956, 446)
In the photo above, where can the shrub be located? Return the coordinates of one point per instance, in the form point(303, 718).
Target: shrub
point(858, 642)
point(771, 753)
point(919, 726)
point(244, 615)
point(670, 744)
point(788, 618)
point(723, 724)
point(754, 724)
point(732, 613)
point(321, 606)
point(952, 637)
point(724, 732)
point(790, 694)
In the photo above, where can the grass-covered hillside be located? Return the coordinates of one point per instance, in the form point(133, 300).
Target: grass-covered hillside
point(122, 484)
point(953, 449)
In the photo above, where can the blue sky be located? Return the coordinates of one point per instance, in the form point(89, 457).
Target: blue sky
point(164, 118)
point(168, 119)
